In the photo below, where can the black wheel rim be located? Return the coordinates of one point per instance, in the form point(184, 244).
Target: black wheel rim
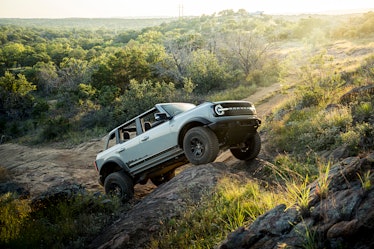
point(245, 149)
point(248, 145)
point(115, 190)
point(197, 147)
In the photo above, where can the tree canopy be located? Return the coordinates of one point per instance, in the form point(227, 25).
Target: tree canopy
point(81, 70)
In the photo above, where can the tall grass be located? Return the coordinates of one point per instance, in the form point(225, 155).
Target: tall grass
point(232, 205)
point(299, 196)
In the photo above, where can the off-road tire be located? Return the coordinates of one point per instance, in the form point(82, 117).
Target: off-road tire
point(120, 185)
point(200, 145)
point(250, 151)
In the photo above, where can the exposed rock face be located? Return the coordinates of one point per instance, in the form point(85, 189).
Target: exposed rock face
point(64, 191)
point(12, 187)
point(342, 219)
point(133, 229)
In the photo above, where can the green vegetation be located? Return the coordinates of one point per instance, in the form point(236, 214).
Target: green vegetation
point(77, 74)
point(65, 224)
point(87, 78)
point(318, 119)
point(56, 83)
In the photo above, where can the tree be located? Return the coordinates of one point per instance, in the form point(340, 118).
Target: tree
point(72, 73)
point(205, 71)
point(136, 61)
point(246, 51)
point(143, 95)
point(47, 76)
point(180, 48)
point(11, 54)
point(15, 98)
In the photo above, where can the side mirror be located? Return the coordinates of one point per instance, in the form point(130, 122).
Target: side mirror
point(161, 116)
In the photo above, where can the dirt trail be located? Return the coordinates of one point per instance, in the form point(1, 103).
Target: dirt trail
point(37, 168)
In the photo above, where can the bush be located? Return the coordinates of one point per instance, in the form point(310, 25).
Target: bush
point(13, 216)
point(66, 223)
point(265, 76)
point(55, 128)
point(363, 112)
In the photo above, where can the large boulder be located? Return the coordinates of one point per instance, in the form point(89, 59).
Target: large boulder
point(134, 228)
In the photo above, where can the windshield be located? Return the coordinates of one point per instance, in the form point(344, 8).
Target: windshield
point(175, 108)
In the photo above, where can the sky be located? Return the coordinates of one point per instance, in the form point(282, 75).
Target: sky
point(167, 8)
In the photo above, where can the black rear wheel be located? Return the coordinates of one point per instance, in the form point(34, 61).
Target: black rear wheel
point(200, 145)
point(120, 185)
point(250, 150)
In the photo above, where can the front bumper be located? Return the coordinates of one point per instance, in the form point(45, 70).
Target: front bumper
point(235, 131)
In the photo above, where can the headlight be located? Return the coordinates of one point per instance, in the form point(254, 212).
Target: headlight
point(234, 109)
point(219, 110)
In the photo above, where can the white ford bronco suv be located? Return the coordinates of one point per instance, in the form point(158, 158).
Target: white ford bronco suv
point(169, 135)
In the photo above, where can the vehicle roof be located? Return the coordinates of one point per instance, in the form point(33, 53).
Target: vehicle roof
point(166, 103)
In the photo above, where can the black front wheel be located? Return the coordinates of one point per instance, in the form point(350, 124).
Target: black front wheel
point(200, 145)
point(120, 185)
point(250, 149)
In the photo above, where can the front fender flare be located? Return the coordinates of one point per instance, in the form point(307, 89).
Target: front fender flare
point(199, 121)
point(111, 165)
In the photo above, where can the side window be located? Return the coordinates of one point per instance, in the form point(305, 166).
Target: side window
point(128, 132)
point(149, 121)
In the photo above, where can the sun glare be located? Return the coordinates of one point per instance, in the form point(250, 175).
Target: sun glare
point(142, 8)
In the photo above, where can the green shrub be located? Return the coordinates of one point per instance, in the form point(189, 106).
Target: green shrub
point(13, 217)
point(363, 112)
point(366, 131)
point(64, 224)
point(310, 97)
point(339, 118)
point(267, 75)
point(55, 128)
point(108, 94)
point(351, 139)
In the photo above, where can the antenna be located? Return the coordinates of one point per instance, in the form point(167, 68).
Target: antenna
point(181, 10)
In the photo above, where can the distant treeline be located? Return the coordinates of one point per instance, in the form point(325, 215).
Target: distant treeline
point(88, 23)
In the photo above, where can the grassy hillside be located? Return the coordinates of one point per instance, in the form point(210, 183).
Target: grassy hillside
point(321, 116)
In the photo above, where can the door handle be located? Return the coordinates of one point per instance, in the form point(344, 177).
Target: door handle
point(121, 150)
point(145, 138)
